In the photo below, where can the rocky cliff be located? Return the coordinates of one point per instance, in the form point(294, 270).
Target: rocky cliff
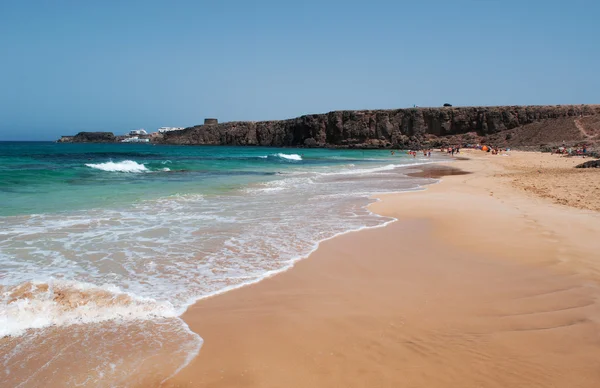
point(398, 128)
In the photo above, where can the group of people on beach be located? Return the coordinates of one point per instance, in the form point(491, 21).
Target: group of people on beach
point(494, 150)
point(579, 151)
point(451, 150)
point(426, 153)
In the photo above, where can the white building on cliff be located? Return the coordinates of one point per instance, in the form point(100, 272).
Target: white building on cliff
point(138, 132)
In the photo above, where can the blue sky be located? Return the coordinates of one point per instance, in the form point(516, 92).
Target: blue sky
point(69, 66)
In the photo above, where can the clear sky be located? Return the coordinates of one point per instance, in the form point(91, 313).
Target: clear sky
point(70, 66)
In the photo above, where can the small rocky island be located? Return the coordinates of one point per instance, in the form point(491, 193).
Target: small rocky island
point(415, 128)
point(89, 137)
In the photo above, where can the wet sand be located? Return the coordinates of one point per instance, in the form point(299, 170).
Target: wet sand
point(480, 283)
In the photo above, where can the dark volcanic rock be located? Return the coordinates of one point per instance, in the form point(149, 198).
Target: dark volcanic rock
point(90, 137)
point(399, 128)
point(589, 164)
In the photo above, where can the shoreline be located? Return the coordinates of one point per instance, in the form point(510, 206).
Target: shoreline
point(248, 332)
point(433, 173)
point(182, 339)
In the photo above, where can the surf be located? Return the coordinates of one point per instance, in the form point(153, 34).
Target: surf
point(287, 157)
point(124, 166)
point(37, 305)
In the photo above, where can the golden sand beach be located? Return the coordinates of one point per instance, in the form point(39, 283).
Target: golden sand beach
point(488, 279)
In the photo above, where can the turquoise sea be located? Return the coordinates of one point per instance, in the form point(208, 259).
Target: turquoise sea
point(105, 242)
point(39, 177)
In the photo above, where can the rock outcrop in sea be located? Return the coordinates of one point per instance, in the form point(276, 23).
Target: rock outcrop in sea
point(89, 137)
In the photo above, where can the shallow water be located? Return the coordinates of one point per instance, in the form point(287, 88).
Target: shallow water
point(112, 242)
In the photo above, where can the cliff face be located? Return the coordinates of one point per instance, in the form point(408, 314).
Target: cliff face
point(399, 128)
point(89, 137)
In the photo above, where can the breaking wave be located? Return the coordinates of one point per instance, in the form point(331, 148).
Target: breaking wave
point(294, 157)
point(124, 166)
point(35, 305)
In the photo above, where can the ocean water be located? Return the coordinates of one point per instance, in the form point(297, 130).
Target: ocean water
point(104, 246)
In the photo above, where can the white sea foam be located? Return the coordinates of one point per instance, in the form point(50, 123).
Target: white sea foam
point(162, 255)
point(44, 358)
point(143, 264)
point(295, 157)
point(363, 171)
point(124, 166)
point(34, 305)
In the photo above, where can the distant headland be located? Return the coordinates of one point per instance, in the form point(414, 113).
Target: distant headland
point(414, 128)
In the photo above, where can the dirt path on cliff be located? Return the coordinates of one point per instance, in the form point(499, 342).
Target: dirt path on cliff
point(583, 131)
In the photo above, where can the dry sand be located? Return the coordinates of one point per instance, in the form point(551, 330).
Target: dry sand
point(553, 177)
point(480, 284)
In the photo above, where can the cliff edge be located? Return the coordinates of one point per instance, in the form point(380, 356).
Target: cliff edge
point(405, 128)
